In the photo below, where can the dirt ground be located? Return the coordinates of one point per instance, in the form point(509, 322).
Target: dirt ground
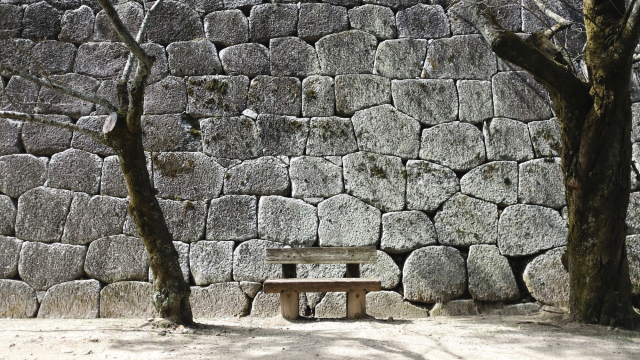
point(480, 337)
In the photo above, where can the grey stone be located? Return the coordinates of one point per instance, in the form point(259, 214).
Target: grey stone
point(168, 96)
point(546, 138)
point(109, 91)
point(160, 67)
point(131, 15)
point(185, 220)
point(429, 185)
point(422, 22)
point(230, 137)
point(275, 95)
point(291, 56)
point(192, 58)
point(78, 299)
point(460, 57)
point(174, 21)
point(431, 102)
point(41, 21)
point(331, 136)
point(77, 25)
point(245, 59)
point(251, 289)
point(400, 59)
point(117, 258)
point(383, 129)
point(384, 269)
point(332, 306)
point(191, 176)
point(344, 2)
point(20, 95)
point(319, 271)
point(42, 213)
point(635, 122)
point(314, 177)
point(289, 221)
point(535, 19)
point(10, 250)
point(101, 60)
point(53, 102)
point(17, 300)
point(75, 169)
point(318, 96)
point(227, 28)
point(283, 135)
point(93, 217)
point(347, 221)
point(348, 52)
point(507, 139)
point(52, 57)
point(522, 309)
point(320, 19)
point(44, 265)
point(633, 257)
point(456, 145)
point(112, 182)
point(386, 304)
point(266, 305)
point(530, 229)
point(397, 4)
point(455, 308)
point(377, 179)
point(10, 20)
point(15, 52)
point(517, 95)
point(183, 259)
point(547, 280)
point(211, 261)
point(262, 176)
point(82, 142)
point(434, 274)
point(490, 276)
point(7, 215)
point(205, 6)
point(217, 95)
point(541, 183)
point(219, 300)
point(406, 231)
point(43, 140)
point(357, 92)
point(509, 15)
point(168, 133)
point(476, 103)
point(10, 135)
point(465, 221)
point(633, 214)
point(377, 20)
point(232, 4)
point(21, 172)
point(249, 262)
point(127, 299)
point(268, 21)
point(495, 182)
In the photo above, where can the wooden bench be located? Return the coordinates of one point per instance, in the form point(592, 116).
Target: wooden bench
point(289, 286)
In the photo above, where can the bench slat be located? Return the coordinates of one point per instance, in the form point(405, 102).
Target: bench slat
point(322, 255)
point(321, 285)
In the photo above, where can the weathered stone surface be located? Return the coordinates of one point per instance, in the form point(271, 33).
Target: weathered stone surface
point(633, 257)
point(291, 56)
point(192, 58)
point(268, 21)
point(45, 265)
point(211, 261)
point(168, 96)
point(383, 129)
point(357, 92)
point(400, 59)
point(251, 289)
point(536, 20)
point(77, 25)
point(9, 135)
point(10, 250)
point(127, 299)
point(385, 304)
point(509, 15)
point(262, 176)
point(168, 133)
point(545, 136)
point(431, 102)
point(460, 57)
point(18, 58)
point(43, 140)
point(20, 95)
point(217, 95)
point(517, 95)
point(476, 103)
point(117, 258)
point(78, 299)
point(93, 217)
point(191, 176)
point(227, 28)
point(377, 20)
point(465, 221)
point(21, 172)
point(456, 145)
point(423, 22)
point(42, 213)
point(75, 169)
point(522, 309)
point(289, 221)
point(331, 136)
point(53, 102)
point(275, 95)
point(455, 308)
point(633, 214)
point(160, 68)
point(82, 142)
point(173, 21)
point(434, 274)
point(183, 259)
point(635, 122)
point(205, 6)
point(332, 306)
point(376, 179)
point(230, 137)
point(41, 21)
point(219, 300)
point(348, 52)
point(52, 57)
point(130, 13)
point(249, 262)
point(494, 182)
point(245, 59)
point(266, 305)
point(320, 19)
point(109, 91)
point(529, 229)
point(318, 96)
point(547, 280)
point(490, 276)
point(112, 182)
point(10, 20)
point(406, 231)
point(185, 220)
point(507, 139)
point(282, 135)
point(17, 300)
point(314, 177)
point(384, 269)
point(101, 60)
point(347, 221)
point(540, 183)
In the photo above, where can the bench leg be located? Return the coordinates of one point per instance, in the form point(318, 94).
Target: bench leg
point(356, 304)
point(289, 304)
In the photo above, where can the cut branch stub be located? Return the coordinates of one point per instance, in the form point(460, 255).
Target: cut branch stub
point(109, 123)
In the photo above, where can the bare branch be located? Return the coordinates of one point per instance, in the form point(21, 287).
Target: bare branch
point(631, 30)
point(550, 13)
point(94, 135)
point(143, 28)
point(123, 32)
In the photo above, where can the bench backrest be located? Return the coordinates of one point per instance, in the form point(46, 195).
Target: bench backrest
point(322, 255)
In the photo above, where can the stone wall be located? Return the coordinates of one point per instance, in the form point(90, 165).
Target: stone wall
point(387, 123)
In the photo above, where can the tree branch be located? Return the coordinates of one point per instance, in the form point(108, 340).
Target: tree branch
point(123, 32)
point(143, 28)
point(40, 119)
point(630, 30)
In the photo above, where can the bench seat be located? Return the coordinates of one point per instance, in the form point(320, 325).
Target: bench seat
point(275, 286)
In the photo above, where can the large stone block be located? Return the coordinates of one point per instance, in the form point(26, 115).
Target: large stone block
point(52, 57)
point(160, 68)
point(490, 276)
point(389, 304)
point(331, 136)
point(314, 177)
point(219, 300)
point(43, 140)
point(495, 182)
point(78, 299)
point(101, 60)
point(113, 182)
point(460, 57)
point(332, 306)
point(434, 274)
point(44, 265)
point(429, 185)
point(266, 305)
point(193, 58)
point(131, 15)
point(205, 6)
point(245, 59)
point(188, 175)
point(217, 95)
point(263, 176)
point(11, 20)
point(476, 103)
point(75, 169)
point(185, 220)
point(529, 229)
point(507, 139)
point(174, 21)
point(377, 20)
point(633, 257)
point(10, 135)
point(455, 308)
point(183, 259)
point(230, 137)
point(509, 15)
point(357, 92)
point(53, 102)
point(15, 52)
point(431, 102)
point(291, 56)
point(465, 221)
point(93, 217)
point(456, 145)
point(17, 300)
point(41, 21)
point(211, 261)
point(320, 19)
point(348, 52)
point(275, 95)
point(117, 258)
point(168, 96)
point(42, 213)
point(21, 172)
point(384, 269)
point(127, 299)
point(400, 59)
point(422, 22)
point(318, 96)
point(10, 250)
point(633, 213)
point(168, 132)
point(517, 95)
point(540, 183)
point(227, 28)
point(233, 217)
point(82, 142)
point(20, 95)
point(289, 221)
point(377, 179)
point(282, 135)
point(268, 21)
point(547, 279)
point(545, 137)
point(249, 262)
point(347, 221)
point(406, 231)
point(77, 25)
